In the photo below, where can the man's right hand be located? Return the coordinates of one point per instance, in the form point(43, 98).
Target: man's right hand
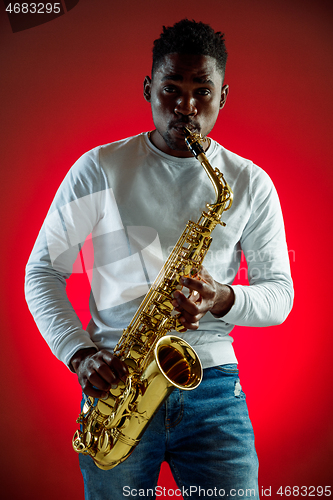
point(98, 371)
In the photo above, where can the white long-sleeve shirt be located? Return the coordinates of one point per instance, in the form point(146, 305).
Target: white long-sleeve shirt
point(129, 202)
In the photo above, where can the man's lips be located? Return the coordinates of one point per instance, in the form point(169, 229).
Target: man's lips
point(179, 127)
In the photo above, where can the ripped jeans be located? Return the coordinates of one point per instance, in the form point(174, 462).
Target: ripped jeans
point(206, 437)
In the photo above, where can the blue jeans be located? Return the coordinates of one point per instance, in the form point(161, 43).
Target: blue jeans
point(206, 437)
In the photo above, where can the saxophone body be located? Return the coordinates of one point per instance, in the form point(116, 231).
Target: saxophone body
point(157, 362)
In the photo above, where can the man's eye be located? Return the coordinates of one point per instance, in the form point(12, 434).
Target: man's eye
point(169, 89)
point(203, 91)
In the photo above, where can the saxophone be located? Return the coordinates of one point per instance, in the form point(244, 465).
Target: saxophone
point(157, 363)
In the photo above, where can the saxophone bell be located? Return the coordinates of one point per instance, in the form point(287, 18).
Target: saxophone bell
point(113, 428)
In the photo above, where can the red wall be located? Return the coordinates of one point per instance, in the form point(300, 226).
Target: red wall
point(76, 82)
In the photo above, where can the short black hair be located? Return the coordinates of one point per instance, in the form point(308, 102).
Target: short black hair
point(190, 37)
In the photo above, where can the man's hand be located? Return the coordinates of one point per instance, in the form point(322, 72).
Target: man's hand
point(98, 371)
point(207, 295)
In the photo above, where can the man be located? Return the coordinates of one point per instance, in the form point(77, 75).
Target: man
point(134, 197)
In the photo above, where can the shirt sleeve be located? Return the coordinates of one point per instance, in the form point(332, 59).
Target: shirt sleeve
point(268, 298)
point(75, 211)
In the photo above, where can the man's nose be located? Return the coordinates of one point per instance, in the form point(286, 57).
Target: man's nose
point(186, 105)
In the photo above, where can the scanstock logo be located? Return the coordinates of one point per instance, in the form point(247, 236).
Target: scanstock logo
point(120, 262)
point(26, 15)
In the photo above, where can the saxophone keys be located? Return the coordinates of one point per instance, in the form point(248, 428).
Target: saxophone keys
point(78, 444)
point(178, 287)
point(105, 406)
point(88, 438)
point(131, 364)
point(179, 327)
point(105, 443)
point(117, 390)
point(136, 352)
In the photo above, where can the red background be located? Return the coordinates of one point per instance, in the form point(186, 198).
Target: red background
point(76, 82)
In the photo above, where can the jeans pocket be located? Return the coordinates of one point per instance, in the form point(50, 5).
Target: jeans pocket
point(230, 372)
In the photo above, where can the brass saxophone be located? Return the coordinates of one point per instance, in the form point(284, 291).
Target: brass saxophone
point(157, 362)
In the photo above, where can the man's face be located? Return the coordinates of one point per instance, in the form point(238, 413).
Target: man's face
point(186, 90)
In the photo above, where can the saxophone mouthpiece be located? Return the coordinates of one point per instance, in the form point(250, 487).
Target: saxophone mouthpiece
point(192, 141)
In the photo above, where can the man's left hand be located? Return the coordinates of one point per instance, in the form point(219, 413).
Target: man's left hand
point(207, 295)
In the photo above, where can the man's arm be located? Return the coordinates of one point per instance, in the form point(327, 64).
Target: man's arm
point(268, 298)
point(74, 213)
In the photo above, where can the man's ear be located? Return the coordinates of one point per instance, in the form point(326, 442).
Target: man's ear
point(147, 88)
point(224, 94)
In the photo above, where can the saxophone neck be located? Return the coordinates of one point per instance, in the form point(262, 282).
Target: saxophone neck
point(223, 191)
